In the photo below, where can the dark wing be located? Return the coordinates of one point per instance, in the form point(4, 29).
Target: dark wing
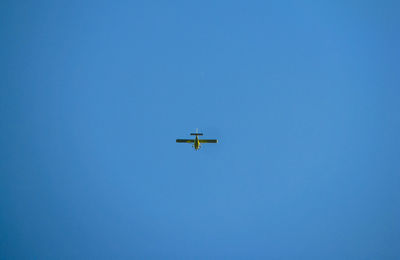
point(213, 141)
point(185, 140)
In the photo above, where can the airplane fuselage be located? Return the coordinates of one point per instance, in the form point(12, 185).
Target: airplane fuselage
point(196, 143)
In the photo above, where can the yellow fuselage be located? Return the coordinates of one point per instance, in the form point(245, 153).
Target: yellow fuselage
point(196, 143)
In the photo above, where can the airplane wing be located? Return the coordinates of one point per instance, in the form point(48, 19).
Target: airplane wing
point(214, 141)
point(185, 140)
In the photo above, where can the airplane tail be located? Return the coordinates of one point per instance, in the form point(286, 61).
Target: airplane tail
point(197, 132)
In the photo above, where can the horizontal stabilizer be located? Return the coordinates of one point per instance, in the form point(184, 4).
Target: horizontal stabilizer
point(196, 134)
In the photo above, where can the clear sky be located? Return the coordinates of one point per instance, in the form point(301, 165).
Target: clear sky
point(304, 97)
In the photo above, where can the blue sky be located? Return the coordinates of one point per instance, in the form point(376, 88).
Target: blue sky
point(304, 98)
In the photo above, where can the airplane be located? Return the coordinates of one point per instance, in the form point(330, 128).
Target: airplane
point(197, 142)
